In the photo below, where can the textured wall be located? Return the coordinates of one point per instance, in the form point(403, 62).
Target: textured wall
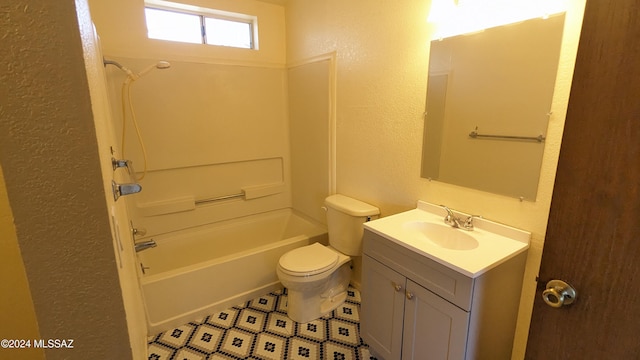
point(52, 171)
point(382, 58)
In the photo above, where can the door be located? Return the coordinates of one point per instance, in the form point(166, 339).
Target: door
point(382, 308)
point(434, 329)
point(593, 234)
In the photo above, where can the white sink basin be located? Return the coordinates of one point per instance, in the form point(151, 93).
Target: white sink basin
point(443, 236)
point(422, 230)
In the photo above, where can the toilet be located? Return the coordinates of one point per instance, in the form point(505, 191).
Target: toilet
point(317, 276)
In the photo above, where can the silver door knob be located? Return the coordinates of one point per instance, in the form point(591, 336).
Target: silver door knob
point(558, 293)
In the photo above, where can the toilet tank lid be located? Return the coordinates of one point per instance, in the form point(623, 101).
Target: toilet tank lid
point(350, 206)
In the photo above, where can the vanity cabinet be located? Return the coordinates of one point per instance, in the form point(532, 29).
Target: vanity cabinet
point(416, 308)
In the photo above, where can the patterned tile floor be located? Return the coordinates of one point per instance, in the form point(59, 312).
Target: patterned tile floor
point(260, 329)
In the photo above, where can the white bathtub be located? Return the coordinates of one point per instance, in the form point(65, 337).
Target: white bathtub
point(193, 273)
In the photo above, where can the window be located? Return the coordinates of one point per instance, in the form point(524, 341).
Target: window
point(173, 26)
point(196, 25)
point(228, 33)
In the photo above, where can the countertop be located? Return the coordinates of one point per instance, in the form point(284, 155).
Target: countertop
point(496, 242)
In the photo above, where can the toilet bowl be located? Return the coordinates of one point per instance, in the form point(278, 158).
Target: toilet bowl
point(317, 276)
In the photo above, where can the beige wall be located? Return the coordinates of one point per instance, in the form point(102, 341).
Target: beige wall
point(49, 156)
point(382, 55)
point(17, 314)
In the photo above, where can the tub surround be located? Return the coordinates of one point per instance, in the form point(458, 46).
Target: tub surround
point(198, 124)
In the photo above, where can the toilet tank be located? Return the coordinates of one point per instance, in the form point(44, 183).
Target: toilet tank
point(345, 217)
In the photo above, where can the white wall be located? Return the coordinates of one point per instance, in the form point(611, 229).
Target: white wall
point(382, 56)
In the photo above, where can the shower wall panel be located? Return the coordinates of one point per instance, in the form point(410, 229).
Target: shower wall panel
point(209, 130)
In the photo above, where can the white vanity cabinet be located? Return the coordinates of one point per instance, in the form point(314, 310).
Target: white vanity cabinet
point(416, 308)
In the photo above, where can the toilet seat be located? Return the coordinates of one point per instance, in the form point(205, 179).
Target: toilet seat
point(308, 260)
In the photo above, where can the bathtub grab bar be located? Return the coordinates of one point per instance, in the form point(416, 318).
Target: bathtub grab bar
point(474, 134)
point(248, 193)
point(189, 203)
point(219, 198)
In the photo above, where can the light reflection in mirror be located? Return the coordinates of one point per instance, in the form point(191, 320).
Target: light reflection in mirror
point(456, 17)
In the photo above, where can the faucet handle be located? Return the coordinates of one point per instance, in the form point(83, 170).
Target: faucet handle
point(449, 212)
point(137, 231)
point(124, 189)
point(451, 219)
point(468, 223)
point(118, 163)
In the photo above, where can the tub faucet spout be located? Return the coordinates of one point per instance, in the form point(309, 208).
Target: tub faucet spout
point(143, 245)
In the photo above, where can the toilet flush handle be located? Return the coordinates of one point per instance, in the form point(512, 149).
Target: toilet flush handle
point(323, 208)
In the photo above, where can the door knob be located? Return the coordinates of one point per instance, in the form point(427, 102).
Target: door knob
point(558, 293)
point(396, 286)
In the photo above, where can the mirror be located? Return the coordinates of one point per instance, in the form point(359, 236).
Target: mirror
point(488, 103)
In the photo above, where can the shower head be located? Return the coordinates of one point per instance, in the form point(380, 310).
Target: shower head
point(159, 65)
point(163, 65)
point(135, 76)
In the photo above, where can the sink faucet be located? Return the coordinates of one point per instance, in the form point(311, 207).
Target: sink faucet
point(452, 220)
point(143, 245)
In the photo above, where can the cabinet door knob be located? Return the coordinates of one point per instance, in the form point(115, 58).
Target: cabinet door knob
point(409, 295)
point(398, 287)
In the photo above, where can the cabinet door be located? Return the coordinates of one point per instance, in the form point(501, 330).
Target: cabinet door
point(382, 308)
point(434, 329)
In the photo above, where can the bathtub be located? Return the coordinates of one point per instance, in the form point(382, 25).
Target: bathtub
point(196, 272)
